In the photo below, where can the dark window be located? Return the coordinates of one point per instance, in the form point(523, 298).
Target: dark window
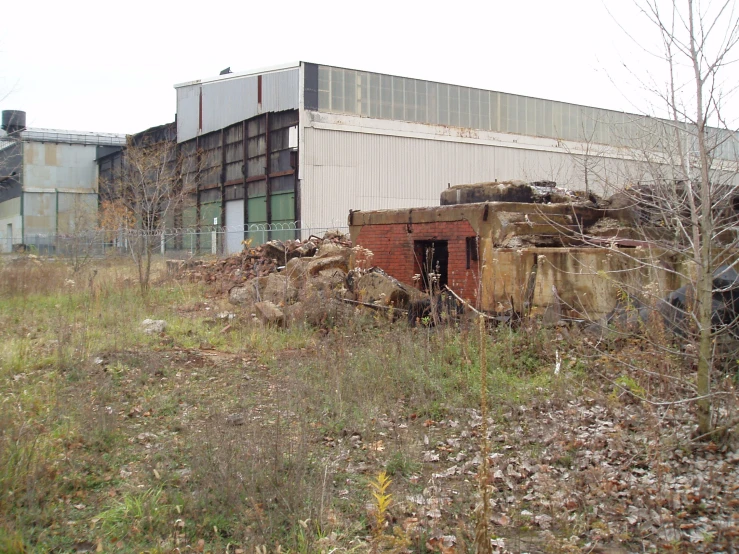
point(471, 251)
point(432, 263)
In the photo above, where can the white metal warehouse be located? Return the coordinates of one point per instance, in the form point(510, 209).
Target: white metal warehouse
point(308, 143)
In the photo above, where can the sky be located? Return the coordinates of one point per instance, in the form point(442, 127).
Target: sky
point(111, 67)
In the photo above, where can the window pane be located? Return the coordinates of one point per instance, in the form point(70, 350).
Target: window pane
point(547, 116)
point(324, 88)
point(454, 106)
point(386, 97)
point(421, 102)
point(432, 113)
point(575, 123)
point(337, 90)
point(398, 100)
point(504, 102)
point(519, 115)
point(464, 107)
point(530, 116)
point(444, 104)
point(350, 91)
point(484, 110)
point(374, 95)
point(557, 120)
point(363, 93)
point(495, 111)
point(410, 100)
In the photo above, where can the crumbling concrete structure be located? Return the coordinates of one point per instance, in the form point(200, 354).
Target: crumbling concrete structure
point(514, 247)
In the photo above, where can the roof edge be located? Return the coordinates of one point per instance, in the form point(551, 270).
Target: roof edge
point(240, 74)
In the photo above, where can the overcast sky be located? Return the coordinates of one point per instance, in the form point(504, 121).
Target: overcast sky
point(102, 66)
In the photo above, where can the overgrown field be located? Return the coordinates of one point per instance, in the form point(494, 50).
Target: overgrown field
point(221, 435)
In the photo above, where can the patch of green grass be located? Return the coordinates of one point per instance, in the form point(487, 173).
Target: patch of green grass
point(401, 463)
point(137, 513)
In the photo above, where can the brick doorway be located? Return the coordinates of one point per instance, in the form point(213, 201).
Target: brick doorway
point(432, 256)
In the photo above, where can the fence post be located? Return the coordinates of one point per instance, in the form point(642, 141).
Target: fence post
point(214, 242)
point(162, 242)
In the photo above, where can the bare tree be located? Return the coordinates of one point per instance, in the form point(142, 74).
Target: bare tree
point(682, 195)
point(151, 190)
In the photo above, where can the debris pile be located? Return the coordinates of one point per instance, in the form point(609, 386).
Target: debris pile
point(255, 262)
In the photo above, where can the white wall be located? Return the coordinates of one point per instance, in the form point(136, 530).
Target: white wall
point(350, 162)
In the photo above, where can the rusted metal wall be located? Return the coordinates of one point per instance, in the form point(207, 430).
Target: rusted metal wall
point(251, 163)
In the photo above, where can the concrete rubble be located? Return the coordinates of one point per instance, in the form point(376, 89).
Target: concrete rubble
point(153, 326)
point(311, 280)
point(258, 261)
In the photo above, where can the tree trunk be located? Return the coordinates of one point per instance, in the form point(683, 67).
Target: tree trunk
point(705, 278)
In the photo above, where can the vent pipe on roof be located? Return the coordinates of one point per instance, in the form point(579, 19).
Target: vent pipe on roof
point(13, 121)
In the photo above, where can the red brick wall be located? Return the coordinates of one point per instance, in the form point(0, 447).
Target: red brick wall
point(393, 249)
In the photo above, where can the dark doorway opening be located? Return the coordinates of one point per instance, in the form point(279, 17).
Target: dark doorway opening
point(432, 263)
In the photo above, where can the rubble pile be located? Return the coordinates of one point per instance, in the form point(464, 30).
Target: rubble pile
point(283, 281)
point(255, 262)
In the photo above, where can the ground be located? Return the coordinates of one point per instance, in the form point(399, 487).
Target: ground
point(221, 435)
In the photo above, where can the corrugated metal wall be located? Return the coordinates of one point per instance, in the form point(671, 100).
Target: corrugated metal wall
point(228, 101)
point(51, 165)
point(363, 171)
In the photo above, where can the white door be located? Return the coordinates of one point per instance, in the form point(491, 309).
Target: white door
point(234, 226)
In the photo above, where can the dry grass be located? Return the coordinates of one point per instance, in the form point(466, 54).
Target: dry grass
point(260, 438)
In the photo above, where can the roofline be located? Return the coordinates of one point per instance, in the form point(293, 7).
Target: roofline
point(486, 90)
point(293, 65)
point(240, 74)
point(72, 137)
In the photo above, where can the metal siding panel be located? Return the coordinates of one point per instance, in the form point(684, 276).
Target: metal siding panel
point(39, 214)
point(371, 172)
point(187, 112)
point(233, 100)
point(281, 91)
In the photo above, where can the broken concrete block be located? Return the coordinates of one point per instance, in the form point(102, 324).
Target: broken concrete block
point(244, 295)
point(275, 250)
point(380, 288)
point(338, 261)
point(330, 249)
point(153, 326)
point(269, 314)
point(276, 288)
point(305, 250)
point(297, 269)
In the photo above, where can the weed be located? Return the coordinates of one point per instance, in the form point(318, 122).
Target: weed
point(381, 540)
point(11, 542)
point(141, 513)
point(400, 463)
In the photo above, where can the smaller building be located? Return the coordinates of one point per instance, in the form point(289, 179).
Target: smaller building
point(510, 247)
point(48, 181)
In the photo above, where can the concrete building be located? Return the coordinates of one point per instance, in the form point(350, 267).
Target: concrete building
point(307, 143)
point(513, 253)
point(48, 181)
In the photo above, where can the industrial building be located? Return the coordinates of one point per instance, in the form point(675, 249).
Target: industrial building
point(308, 143)
point(48, 181)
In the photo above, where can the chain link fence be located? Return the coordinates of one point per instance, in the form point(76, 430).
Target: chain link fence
point(170, 243)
